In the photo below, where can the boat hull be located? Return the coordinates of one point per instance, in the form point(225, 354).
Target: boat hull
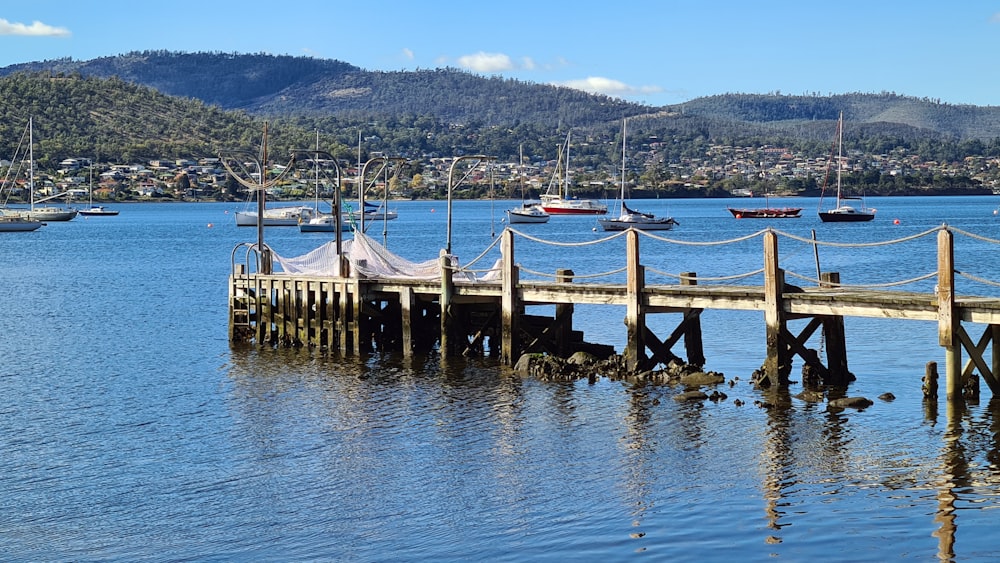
point(840, 217)
point(18, 224)
point(98, 210)
point(640, 223)
point(45, 214)
point(766, 213)
point(275, 217)
point(527, 215)
point(573, 211)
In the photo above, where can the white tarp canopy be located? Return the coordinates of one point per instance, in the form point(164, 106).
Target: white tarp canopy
point(368, 259)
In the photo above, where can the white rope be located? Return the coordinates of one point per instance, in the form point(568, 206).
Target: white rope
point(975, 236)
point(554, 243)
point(708, 279)
point(849, 286)
point(575, 276)
point(481, 255)
point(978, 279)
point(859, 244)
point(702, 243)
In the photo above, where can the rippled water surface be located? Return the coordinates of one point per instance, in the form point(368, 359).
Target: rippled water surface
point(131, 430)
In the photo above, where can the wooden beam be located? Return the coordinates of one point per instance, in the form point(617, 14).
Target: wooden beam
point(635, 318)
point(510, 307)
point(776, 366)
point(947, 336)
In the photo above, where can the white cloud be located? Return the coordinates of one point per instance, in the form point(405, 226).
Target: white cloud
point(486, 62)
point(407, 54)
point(609, 87)
point(995, 18)
point(36, 28)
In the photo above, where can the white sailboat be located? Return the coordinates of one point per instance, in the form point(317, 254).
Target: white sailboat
point(528, 212)
point(43, 213)
point(843, 213)
point(557, 201)
point(96, 210)
point(631, 218)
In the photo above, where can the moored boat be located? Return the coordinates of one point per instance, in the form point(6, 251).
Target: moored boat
point(97, 210)
point(14, 223)
point(632, 218)
point(844, 213)
point(557, 201)
point(766, 212)
point(527, 213)
point(275, 216)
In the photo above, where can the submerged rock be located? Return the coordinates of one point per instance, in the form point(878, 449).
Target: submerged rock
point(851, 403)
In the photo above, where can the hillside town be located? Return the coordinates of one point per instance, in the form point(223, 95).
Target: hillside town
point(722, 171)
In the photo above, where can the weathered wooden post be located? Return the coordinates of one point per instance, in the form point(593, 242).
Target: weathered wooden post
point(777, 365)
point(635, 318)
point(447, 291)
point(564, 316)
point(835, 338)
point(509, 303)
point(947, 333)
point(406, 304)
point(693, 346)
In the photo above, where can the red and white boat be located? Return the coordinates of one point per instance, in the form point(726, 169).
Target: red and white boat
point(556, 201)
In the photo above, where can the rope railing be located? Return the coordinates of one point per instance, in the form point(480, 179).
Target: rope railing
point(806, 241)
point(575, 276)
point(858, 244)
point(862, 286)
point(702, 243)
point(706, 278)
point(495, 242)
point(977, 279)
point(974, 236)
point(569, 244)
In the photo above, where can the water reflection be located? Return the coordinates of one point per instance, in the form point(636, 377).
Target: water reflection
point(463, 450)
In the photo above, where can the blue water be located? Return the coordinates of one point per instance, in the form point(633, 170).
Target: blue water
point(132, 430)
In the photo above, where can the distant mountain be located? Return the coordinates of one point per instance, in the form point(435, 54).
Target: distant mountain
point(269, 85)
point(161, 103)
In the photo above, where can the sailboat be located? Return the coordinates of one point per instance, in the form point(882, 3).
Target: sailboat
point(631, 218)
point(527, 212)
point(556, 199)
point(96, 210)
point(35, 211)
point(843, 213)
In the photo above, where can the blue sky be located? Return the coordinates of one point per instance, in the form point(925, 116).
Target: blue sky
point(647, 51)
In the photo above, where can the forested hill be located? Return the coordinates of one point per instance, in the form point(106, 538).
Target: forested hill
point(164, 104)
point(303, 86)
point(269, 85)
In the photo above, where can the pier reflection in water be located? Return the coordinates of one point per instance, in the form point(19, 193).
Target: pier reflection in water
point(425, 458)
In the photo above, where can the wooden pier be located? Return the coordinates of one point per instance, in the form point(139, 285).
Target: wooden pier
point(354, 314)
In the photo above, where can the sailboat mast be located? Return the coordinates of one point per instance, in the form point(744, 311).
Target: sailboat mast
point(31, 162)
point(622, 204)
point(840, 152)
point(565, 194)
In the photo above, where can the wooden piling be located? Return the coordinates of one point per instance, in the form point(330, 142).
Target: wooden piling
point(635, 317)
point(947, 334)
point(564, 317)
point(510, 306)
point(835, 336)
point(447, 290)
point(776, 366)
point(693, 346)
